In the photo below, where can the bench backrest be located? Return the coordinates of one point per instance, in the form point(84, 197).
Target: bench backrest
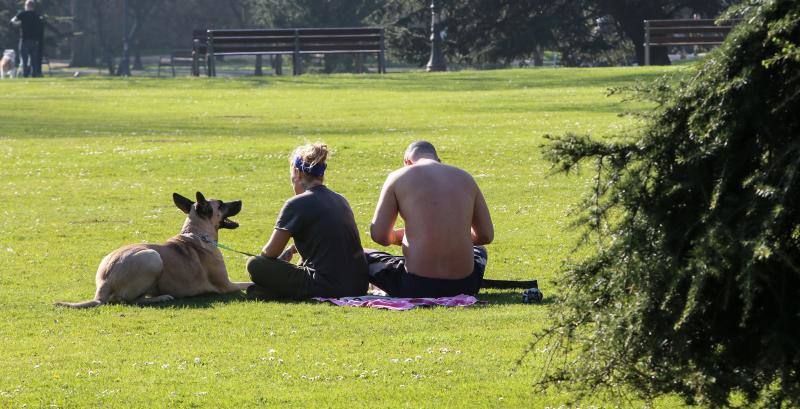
point(686, 32)
point(182, 58)
point(300, 40)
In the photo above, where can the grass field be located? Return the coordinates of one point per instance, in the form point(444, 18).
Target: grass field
point(87, 165)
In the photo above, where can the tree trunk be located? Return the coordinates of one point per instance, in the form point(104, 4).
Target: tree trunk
point(82, 54)
point(329, 63)
point(277, 64)
point(538, 56)
point(630, 20)
point(107, 57)
point(137, 56)
point(359, 63)
point(259, 66)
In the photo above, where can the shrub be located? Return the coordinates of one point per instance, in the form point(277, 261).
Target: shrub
point(695, 285)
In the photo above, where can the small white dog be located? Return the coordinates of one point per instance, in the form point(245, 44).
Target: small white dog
point(8, 65)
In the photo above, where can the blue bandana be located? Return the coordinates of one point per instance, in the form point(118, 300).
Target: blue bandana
point(317, 170)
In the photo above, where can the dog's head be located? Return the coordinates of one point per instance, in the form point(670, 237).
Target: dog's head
point(11, 54)
point(215, 211)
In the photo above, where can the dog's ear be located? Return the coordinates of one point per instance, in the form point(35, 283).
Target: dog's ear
point(203, 206)
point(183, 203)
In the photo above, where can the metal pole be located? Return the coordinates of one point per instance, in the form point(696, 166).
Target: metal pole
point(436, 62)
point(647, 42)
point(124, 64)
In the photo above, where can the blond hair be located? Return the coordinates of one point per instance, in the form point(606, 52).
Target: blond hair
point(311, 154)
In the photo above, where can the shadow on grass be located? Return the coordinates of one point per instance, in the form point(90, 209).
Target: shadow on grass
point(469, 80)
point(200, 301)
point(206, 301)
point(214, 300)
point(211, 301)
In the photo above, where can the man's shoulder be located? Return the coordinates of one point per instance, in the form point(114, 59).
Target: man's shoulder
point(396, 175)
point(457, 170)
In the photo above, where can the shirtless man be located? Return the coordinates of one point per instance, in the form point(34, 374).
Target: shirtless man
point(447, 222)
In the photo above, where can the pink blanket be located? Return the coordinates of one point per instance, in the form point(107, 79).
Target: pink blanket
point(402, 304)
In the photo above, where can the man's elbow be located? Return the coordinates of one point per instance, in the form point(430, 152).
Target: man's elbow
point(382, 239)
point(484, 238)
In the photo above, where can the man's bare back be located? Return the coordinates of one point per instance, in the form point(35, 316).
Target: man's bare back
point(445, 214)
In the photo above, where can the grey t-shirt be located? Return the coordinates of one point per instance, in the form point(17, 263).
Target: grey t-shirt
point(324, 230)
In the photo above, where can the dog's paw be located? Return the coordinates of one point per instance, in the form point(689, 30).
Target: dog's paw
point(166, 297)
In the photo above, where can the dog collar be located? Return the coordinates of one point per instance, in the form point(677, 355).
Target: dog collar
point(205, 238)
point(202, 237)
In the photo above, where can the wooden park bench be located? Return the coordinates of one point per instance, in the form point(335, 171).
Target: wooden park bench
point(294, 41)
point(684, 32)
point(177, 59)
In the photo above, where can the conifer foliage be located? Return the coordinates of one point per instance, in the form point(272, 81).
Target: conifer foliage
point(695, 286)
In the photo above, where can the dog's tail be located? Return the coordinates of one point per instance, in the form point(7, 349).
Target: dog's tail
point(85, 304)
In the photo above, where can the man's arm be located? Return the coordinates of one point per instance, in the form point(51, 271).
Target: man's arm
point(382, 228)
point(482, 228)
point(276, 244)
point(15, 21)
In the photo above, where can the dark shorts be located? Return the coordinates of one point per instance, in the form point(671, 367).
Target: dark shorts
point(389, 273)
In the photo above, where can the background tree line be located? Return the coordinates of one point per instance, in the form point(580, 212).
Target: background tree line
point(477, 32)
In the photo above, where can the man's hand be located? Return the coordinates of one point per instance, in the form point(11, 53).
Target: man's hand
point(397, 237)
point(288, 253)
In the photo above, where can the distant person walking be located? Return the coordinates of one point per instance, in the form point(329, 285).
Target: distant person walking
point(31, 39)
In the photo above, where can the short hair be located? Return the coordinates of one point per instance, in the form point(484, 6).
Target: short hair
point(30, 3)
point(419, 149)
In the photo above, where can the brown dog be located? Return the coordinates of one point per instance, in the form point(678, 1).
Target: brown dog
point(186, 265)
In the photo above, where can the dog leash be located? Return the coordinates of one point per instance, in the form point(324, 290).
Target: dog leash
point(222, 246)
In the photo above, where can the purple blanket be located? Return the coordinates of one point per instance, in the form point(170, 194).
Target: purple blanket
point(401, 304)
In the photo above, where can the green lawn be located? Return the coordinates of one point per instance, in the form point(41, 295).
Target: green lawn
point(87, 165)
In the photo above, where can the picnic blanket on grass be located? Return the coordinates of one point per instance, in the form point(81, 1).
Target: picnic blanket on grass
point(402, 304)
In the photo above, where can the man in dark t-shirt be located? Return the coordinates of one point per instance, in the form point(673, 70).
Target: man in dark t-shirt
point(31, 27)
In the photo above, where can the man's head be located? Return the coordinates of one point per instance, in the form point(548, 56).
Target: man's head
point(419, 150)
point(30, 5)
